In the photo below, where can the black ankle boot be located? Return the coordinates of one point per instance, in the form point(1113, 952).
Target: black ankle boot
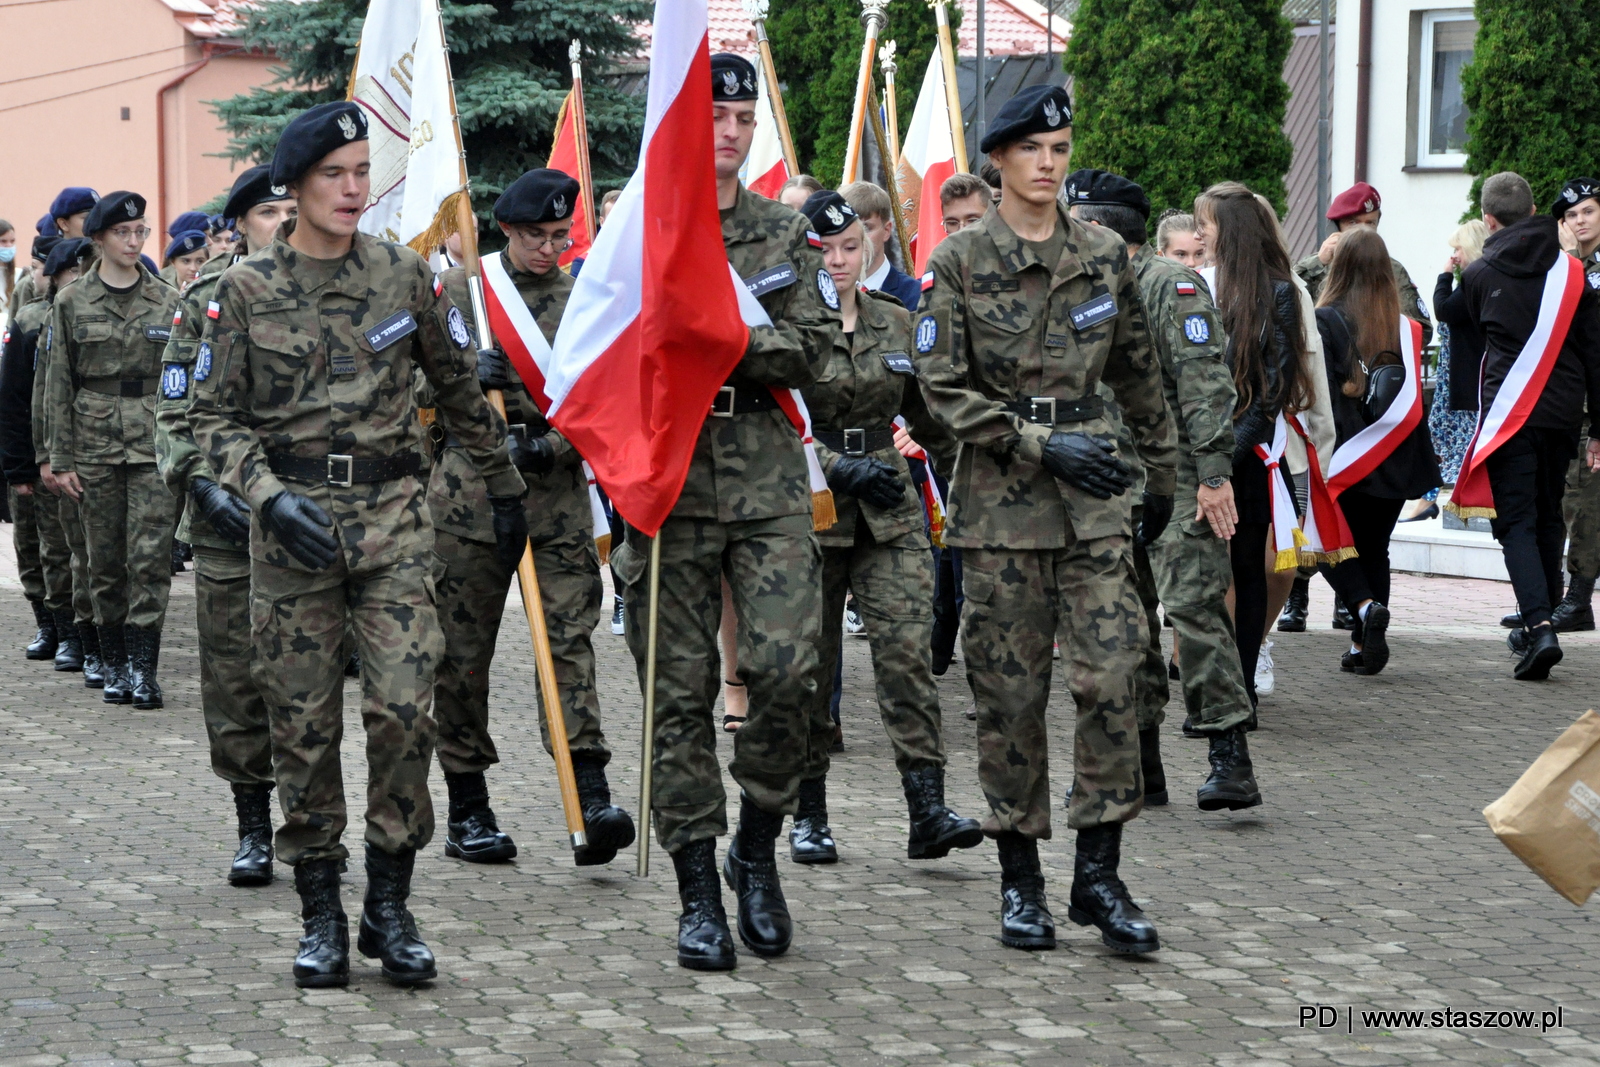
point(1232, 784)
point(1342, 619)
point(43, 645)
point(1155, 775)
point(388, 932)
point(118, 688)
point(1293, 619)
point(704, 943)
point(471, 832)
point(94, 664)
point(609, 829)
point(1100, 898)
point(1539, 651)
point(324, 958)
point(69, 645)
point(252, 864)
point(144, 656)
point(811, 840)
point(935, 829)
point(1573, 614)
point(752, 874)
point(1025, 919)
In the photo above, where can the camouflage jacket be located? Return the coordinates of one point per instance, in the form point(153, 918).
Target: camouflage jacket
point(864, 386)
point(315, 359)
point(23, 293)
point(753, 466)
point(995, 327)
point(1314, 273)
point(558, 502)
point(97, 342)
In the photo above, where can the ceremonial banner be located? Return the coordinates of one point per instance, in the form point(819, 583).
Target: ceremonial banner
point(570, 155)
point(1360, 455)
point(764, 170)
point(927, 158)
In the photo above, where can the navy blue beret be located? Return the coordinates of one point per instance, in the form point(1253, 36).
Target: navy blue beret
point(189, 220)
point(1086, 187)
point(732, 77)
point(313, 134)
point(66, 255)
point(542, 195)
point(184, 243)
point(113, 209)
point(829, 212)
point(1037, 109)
point(71, 200)
point(46, 227)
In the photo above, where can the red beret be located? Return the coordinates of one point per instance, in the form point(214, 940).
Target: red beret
point(1359, 199)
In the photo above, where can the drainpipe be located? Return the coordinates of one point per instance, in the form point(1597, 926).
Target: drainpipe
point(207, 51)
point(1363, 89)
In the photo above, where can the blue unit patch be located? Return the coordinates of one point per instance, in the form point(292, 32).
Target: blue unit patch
point(202, 363)
point(927, 334)
point(1197, 329)
point(174, 381)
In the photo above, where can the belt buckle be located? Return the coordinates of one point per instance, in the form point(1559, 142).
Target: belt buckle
point(349, 478)
point(860, 437)
point(1037, 406)
point(718, 411)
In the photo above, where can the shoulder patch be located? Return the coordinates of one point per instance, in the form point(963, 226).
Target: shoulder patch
point(1184, 288)
point(829, 291)
point(1197, 328)
point(213, 309)
point(927, 333)
point(438, 284)
point(1422, 309)
point(1594, 280)
point(812, 239)
point(927, 281)
point(458, 328)
point(202, 362)
point(174, 381)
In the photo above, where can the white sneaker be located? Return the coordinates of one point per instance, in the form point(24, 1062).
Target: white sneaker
point(852, 619)
point(617, 626)
point(1265, 681)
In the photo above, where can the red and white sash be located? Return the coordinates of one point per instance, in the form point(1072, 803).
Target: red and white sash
point(932, 500)
point(1324, 537)
point(1520, 391)
point(1360, 455)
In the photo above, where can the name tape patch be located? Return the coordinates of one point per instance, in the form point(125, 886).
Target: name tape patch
point(174, 381)
point(899, 362)
point(927, 334)
point(392, 329)
point(771, 279)
point(158, 333)
point(1093, 311)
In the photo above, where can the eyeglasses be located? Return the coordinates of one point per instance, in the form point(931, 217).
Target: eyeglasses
point(137, 233)
point(535, 243)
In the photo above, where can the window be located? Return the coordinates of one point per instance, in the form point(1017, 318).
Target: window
point(1441, 120)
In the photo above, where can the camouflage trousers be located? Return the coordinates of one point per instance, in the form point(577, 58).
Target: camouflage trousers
point(1017, 603)
point(64, 554)
point(25, 541)
point(774, 569)
point(1150, 690)
point(237, 728)
point(1192, 572)
point(127, 520)
point(893, 585)
point(1581, 503)
point(472, 589)
point(297, 623)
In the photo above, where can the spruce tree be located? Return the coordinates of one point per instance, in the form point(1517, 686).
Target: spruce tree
point(1180, 94)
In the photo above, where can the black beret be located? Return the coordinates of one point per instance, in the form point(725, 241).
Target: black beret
point(1572, 192)
point(42, 245)
point(113, 209)
point(250, 189)
point(189, 220)
point(542, 195)
point(313, 134)
point(829, 212)
point(1085, 187)
point(184, 243)
point(732, 77)
point(1037, 109)
point(66, 255)
point(71, 200)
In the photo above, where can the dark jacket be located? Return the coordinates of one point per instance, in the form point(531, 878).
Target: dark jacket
point(1255, 426)
point(16, 405)
point(1503, 291)
point(1411, 469)
point(902, 286)
point(1466, 343)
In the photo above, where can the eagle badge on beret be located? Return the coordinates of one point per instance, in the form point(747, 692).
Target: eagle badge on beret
point(1368, 205)
point(835, 216)
point(1052, 114)
point(133, 210)
point(347, 126)
point(280, 190)
point(730, 82)
point(1571, 195)
point(559, 205)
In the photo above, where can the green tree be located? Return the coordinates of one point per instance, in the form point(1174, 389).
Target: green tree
point(509, 59)
point(1180, 94)
point(1533, 94)
point(816, 46)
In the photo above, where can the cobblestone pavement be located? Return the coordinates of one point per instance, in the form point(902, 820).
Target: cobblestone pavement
point(1367, 879)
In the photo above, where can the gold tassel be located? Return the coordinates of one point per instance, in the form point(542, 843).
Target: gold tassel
point(427, 242)
point(823, 514)
point(603, 544)
point(1287, 559)
point(1464, 512)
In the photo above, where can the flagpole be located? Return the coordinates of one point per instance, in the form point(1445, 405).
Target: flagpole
point(891, 182)
point(872, 20)
point(757, 10)
point(886, 61)
point(580, 125)
point(647, 759)
point(952, 91)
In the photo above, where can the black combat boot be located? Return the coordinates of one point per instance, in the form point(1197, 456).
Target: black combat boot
point(252, 864)
point(1099, 897)
point(144, 656)
point(1293, 619)
point(1232, 784)
point(352, 666)
point(608, 828)
point(177, 557)
point(1025, 919)
point(811, 840)
point(1512, 621)
point(1155, 775)
point(1538, 651)
point(114, 651)
point(935, 829)
point(324, 958)
point(1342, 619)
point(752, 874)
point(704, 943)
point(43, 645)
point(388, 933)
point(94, 664)
point(69, 644)
point(1574, 613)
point(472, 833)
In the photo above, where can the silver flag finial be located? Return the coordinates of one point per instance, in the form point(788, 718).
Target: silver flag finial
point(756, 9)
point(574, 51)
point(886, 58)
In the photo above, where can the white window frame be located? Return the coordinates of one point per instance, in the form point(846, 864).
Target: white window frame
point(1425, 158)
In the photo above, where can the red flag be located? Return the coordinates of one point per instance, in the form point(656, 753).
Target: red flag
point(564, 156)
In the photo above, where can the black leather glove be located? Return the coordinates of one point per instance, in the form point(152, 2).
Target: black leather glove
point(510, 529)
point(1252, 428)
point(227, 514)
point(1081, 461)
point(494, 369)
point(1157, 512)
point(867, 479)
point(536, 455)
point(303, 529)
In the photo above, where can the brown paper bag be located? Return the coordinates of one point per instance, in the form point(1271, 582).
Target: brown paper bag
point(1551, 817)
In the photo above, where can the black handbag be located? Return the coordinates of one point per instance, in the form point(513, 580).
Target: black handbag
point(1383, 385)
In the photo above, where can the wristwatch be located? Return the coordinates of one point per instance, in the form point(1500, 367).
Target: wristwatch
point(1216, 481)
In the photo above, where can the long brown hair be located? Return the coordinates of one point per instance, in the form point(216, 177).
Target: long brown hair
point(1361, 285)
point(1249, 258)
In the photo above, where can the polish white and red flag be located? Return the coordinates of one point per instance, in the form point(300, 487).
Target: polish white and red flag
point(927, 158)
point(764, 168)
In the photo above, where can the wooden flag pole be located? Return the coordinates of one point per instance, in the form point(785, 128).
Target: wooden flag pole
point(891, 182)
point(952, 91)
point(872, 20)
point(580, 123)
point(757, 10)
point(648, 726)
point(890, 106)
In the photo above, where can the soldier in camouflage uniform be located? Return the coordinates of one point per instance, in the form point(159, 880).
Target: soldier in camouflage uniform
point(535, 212)
point(1578, 205)
point(217, 524)
point(107, 332)
point(303, 405)
point(878, 549)
point(1360, 205)
point(744, 512)
point(1022, 319)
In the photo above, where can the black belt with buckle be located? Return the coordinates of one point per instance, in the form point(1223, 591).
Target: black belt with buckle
point(1048, 411)
point(855, 442)
point(344, 471)
point(119, 386)
point(743, 400)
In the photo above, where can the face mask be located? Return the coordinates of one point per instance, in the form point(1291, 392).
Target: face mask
point(8, 254)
